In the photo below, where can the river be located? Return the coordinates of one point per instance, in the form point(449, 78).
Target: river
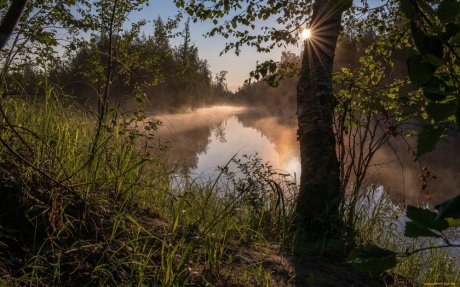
point(201, 140)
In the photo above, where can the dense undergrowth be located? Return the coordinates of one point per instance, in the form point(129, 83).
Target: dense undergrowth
point(381, 222)
point(119, 215)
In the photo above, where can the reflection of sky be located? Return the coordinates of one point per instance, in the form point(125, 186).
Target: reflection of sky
point(210, 48)
point(242, 140)
point(246, 131)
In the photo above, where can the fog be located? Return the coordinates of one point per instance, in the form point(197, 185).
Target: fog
point(200, 140)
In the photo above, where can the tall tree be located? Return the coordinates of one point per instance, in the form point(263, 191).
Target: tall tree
point(185, 48)
point(320, 193)
point(160, 34)
point(10, 20)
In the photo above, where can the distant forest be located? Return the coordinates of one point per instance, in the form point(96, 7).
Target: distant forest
point(168, 78)
point(174, 78)
point(281, 98)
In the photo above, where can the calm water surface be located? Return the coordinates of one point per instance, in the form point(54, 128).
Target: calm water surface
point(199, 141)
point(206, 138)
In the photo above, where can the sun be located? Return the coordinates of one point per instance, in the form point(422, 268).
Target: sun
point(306, 34)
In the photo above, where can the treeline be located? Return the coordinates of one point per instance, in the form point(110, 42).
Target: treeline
point(187, 80)
point(145, 70)
point(274, 100)
point(149, 70)
point(350, 53)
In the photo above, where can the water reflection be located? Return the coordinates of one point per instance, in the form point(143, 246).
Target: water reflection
point(188, 134)
point(238, 140)
point(201, 140)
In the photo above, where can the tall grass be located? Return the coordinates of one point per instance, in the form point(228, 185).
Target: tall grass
point(123, 217)
point(118, 217)
point(381, 222)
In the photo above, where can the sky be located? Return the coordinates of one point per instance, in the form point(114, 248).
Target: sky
point(238, 67)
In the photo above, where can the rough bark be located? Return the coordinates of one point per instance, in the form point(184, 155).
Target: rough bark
point(10, 20)
point(320, 193)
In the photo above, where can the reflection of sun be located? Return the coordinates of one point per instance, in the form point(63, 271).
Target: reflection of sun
point(306, 34)
point(293, 167)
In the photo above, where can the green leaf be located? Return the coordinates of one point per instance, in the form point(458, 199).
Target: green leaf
point(372, 258)
point(426, 44)
point(420, 71)
point(456, 38)
point(408, 9)
point(453, 222)
point(435, 90)
point(425, 218)
point(452, 29)
point(423, 222)
point(449, 209)
point(441, 111)
point(427, 139)
point(435, 60)
point(413, 230)
point(433, 93)
point(448, 10)
point(434, 47)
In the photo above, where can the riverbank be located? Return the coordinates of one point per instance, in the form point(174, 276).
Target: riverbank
point(117, 217)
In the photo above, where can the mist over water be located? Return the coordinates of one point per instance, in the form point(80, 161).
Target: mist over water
point(199, 141)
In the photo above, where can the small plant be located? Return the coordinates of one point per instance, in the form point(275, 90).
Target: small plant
point(266, 194)
point(406, 243)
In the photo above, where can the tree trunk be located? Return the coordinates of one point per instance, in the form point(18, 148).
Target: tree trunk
point(10, 20)
point(320, 193)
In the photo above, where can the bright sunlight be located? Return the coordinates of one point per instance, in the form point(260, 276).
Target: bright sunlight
point(306, 34)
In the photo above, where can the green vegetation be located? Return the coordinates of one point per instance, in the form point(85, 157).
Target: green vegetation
point(127, 219)
point(88, 198)
point(380, 223)
point(122, 218)
point(434, 70)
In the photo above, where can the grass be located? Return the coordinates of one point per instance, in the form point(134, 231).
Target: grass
point(381, 222)
point(123, 217)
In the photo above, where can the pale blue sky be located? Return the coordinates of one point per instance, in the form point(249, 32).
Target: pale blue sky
point(238, 67)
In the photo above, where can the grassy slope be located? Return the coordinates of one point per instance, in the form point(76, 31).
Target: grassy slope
point(123, 217)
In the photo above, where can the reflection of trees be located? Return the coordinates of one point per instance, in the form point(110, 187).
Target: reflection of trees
point(385, 169)
point(279, 130)
point(394, 167)
point(219, 132)
point(185, 146)
point(189, 134)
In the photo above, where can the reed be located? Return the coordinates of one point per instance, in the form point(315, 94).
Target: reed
point(123, 216)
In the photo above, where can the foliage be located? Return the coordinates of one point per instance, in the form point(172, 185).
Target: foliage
point(123, 219)
point(36, 36)
point(99, 57)
point(80, 203)
point(435, 30)
point(264, 27)
point(95, 219)
point(372, 258)
point(370, 108)
point(422, 223)
point(256, 182)
point(379, 231)
point(435, 70)
point(145, 68)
